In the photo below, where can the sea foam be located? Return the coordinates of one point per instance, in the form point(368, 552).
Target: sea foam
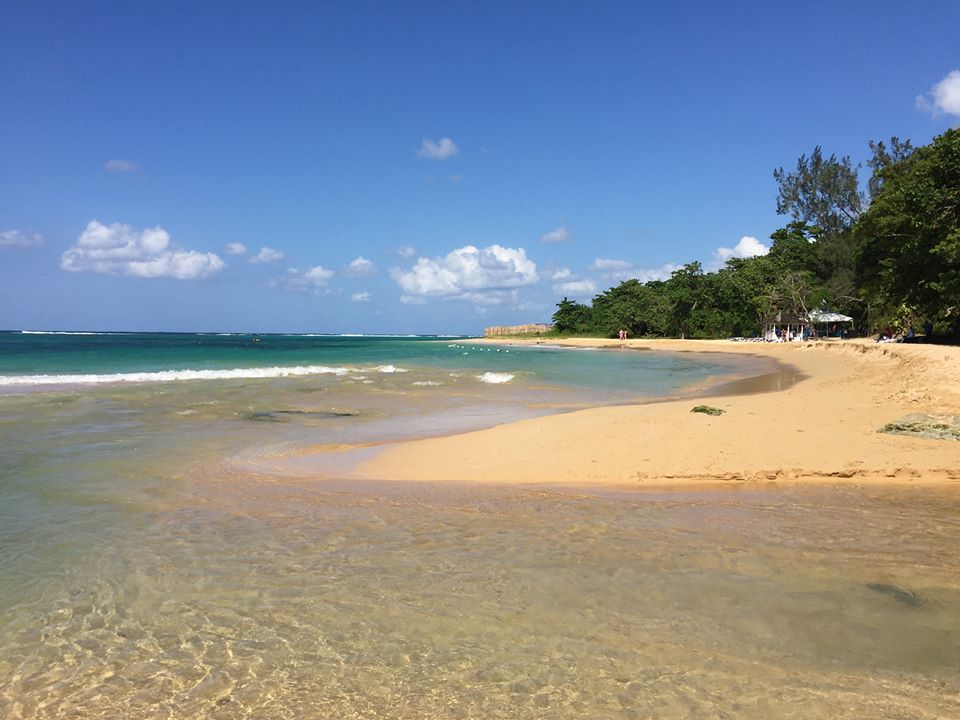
point(495, 378)
point(174, 375)
point(389, 369)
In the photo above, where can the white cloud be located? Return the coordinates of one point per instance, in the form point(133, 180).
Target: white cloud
point(647, 274)
point(620, 270)
point(747, 247)
point(267, 255)
point(576, 288)
point(406, 251)
point(361, 297)
point(359, 267)
point(315, 279)
point(19, 238)
point(608, 264)
point(120, 166)
point(468, 273)
point(560, 274)
point(944, 97)
point(440, 150)
point(557, 235)
point(490, 297)
point(119, 249)
point(236, 248)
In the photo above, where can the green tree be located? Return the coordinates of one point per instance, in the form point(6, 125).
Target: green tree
point(572, 318)
point(748, 286)
point(685, 291)
point(908, 249)
point(883, 157)
point(639, 308)
point(794, 246)
point(822, 192)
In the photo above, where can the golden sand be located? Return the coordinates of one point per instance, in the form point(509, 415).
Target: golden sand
point(822, 428)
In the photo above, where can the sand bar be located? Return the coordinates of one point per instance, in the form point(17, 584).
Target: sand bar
point(822, 428)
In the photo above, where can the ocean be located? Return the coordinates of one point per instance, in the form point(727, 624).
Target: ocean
point(155, 562)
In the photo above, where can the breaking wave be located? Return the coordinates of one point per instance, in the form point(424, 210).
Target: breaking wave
point(495, 378)
point(177, 375)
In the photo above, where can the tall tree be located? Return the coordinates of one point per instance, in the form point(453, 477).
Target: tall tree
point(685, 291)
point(883, 157)
point(909, 240)
point(572, 317)
point(822, 192)
point(638, 308)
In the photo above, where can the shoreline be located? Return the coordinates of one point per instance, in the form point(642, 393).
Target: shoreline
point(822, 428)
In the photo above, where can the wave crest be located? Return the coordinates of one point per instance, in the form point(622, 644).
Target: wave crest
point(174, 375)
point(495, 378)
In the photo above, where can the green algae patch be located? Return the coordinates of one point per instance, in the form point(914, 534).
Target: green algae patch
point(935, 427)
point(707, 410)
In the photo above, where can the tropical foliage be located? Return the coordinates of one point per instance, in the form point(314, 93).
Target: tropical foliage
point(887, 257)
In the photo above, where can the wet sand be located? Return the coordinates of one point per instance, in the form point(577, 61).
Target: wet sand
point(821, 428)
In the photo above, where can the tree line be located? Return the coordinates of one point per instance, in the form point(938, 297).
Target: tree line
point(886, 256)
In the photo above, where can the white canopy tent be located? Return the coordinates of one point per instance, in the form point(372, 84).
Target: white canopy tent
point(825, 318)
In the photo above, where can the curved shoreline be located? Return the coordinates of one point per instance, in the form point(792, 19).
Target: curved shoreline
point(821, 429)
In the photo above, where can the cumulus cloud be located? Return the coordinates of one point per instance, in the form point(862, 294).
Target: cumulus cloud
point(607, 264)
point(440, 150)
point(361, 297)
point(359, 267)
point(619, 270)
point(477, 275)
point(557, 235)
point(406, 251)
point(120, 166)
point(561, 274)
point(647, 274)
point(576, 288)
point(944, 97)
point(267, 255)
point(490, 298)
point(236, 248)
point(119, 249)
point(747, 247)
point(20, 238)
point(315, 279)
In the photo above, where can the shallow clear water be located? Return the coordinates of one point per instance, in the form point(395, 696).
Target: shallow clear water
point(146, 571)
point(246, 598)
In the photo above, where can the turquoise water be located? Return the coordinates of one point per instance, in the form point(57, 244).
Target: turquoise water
point(156, 562)
point(46, 359)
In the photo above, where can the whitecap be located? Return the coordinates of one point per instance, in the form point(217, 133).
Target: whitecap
point(495, 378)
point(174, 375)
point(389, 369)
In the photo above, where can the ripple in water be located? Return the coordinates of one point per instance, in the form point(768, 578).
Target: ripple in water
point(254, 599)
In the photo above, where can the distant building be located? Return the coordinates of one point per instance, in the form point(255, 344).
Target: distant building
point(528, 329)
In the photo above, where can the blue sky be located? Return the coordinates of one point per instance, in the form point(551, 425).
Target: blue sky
point(420, 167)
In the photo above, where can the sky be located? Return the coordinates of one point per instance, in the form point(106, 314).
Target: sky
point(421, 167)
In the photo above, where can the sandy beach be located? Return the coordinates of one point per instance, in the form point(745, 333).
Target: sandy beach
point(821, 428)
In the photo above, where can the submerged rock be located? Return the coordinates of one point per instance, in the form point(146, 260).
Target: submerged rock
point(287, 415)
point(902, 596)
point(936, 427)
